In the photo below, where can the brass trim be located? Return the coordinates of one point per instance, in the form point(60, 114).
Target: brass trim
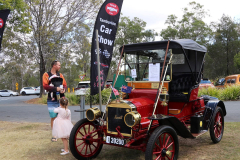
point(136, 116)
point(122, 104)
point(96, 113)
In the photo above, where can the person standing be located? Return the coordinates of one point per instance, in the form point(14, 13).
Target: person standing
point(56, 85)
point(62, 125)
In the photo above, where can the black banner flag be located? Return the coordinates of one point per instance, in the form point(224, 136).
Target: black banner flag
point(3, 17)
point(106, 24)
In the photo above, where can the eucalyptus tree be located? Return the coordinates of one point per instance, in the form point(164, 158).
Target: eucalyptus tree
point(225, 46)
point(51, 23)
point(190, 26)
point(13, 57)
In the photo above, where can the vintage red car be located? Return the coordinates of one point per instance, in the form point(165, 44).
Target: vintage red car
point(163, 104)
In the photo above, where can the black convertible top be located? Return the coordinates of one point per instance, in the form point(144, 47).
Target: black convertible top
point(180, 43)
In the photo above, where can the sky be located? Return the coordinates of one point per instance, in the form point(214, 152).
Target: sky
point(155, 12)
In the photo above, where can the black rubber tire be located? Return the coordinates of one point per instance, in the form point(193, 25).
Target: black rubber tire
point(23, 93)
point(214, 125)
point(155, 135)
point(11, 95)
point(72, 140)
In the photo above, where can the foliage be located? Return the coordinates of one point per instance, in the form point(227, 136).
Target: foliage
point(229, 93)
point(95, 98)
point(237, 61)
point(221, 53)
point(191, 26)
point(17, 20)
point(53, 23)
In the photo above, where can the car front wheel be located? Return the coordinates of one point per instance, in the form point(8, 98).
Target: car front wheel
point(24, 93)
point(85, 140)
point(162, 144)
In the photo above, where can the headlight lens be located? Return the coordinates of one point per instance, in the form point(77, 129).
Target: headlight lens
point(132, 118)
point(93, 113)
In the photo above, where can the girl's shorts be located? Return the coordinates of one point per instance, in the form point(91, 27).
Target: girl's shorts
point(51, 105)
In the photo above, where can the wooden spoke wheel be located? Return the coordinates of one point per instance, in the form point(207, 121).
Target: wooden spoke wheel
point(162, 144)
point(85, 141)
point(217, 125)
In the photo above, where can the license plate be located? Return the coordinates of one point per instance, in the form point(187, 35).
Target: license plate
point(114, 140)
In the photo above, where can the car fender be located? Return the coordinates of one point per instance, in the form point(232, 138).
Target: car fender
point(175, 123)
point(210, 108)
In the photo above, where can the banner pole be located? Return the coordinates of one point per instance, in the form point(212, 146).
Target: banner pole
point(99, 78)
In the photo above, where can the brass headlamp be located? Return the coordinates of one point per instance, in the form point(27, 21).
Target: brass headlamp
point(132, 118)
point(93, 113)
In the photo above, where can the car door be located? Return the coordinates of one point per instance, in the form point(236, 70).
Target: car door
point(5, 93)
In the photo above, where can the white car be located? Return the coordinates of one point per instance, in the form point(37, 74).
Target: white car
point(13, 93)
point(30, 90)
point(82, 88)
point(5, 93)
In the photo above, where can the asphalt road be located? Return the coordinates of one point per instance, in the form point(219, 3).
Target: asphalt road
point(16, 110)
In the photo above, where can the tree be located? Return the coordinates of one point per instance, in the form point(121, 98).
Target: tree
point(17, 20)
point(191, 26)
point(52, 23)
point(224, 47)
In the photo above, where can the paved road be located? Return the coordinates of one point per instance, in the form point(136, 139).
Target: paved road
point(15, 109)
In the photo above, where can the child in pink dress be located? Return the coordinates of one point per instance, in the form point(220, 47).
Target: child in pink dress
point(62, 125)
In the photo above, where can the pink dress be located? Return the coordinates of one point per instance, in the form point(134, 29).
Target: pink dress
point(62, 125)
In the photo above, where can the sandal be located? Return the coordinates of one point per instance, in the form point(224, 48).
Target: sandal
point(54, 139)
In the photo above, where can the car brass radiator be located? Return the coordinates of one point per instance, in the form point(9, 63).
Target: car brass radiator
point(115, 117)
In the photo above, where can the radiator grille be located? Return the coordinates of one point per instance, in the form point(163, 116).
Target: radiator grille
point(116, 118)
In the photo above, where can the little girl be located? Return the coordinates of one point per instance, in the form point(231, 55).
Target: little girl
point(62, 125)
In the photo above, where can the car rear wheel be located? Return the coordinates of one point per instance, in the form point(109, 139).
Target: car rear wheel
point(162, 144)
point(217, 125)
point(11, 95)
point(85, 141)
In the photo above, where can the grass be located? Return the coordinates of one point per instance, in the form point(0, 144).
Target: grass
point(25, 141)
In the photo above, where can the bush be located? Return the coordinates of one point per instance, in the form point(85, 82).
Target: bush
point(229, 93)
point(95, 99)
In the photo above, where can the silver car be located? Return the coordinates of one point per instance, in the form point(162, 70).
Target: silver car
point(30, 90)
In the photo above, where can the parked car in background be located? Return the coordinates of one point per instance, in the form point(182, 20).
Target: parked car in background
point(13, 93)
point(229, 80)
point(5, 93)
point(82, 87)
point(30, 91)
point(206, 83)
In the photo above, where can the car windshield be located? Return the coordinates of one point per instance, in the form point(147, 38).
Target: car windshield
point(205, 81)
point(146, 65)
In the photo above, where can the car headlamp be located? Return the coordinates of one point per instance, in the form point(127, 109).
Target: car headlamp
point(93, 113)
point(132, 118)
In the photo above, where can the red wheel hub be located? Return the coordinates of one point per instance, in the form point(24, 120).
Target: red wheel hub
point(218, 125)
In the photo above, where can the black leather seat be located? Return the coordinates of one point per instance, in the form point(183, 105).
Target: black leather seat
point(180, 88)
